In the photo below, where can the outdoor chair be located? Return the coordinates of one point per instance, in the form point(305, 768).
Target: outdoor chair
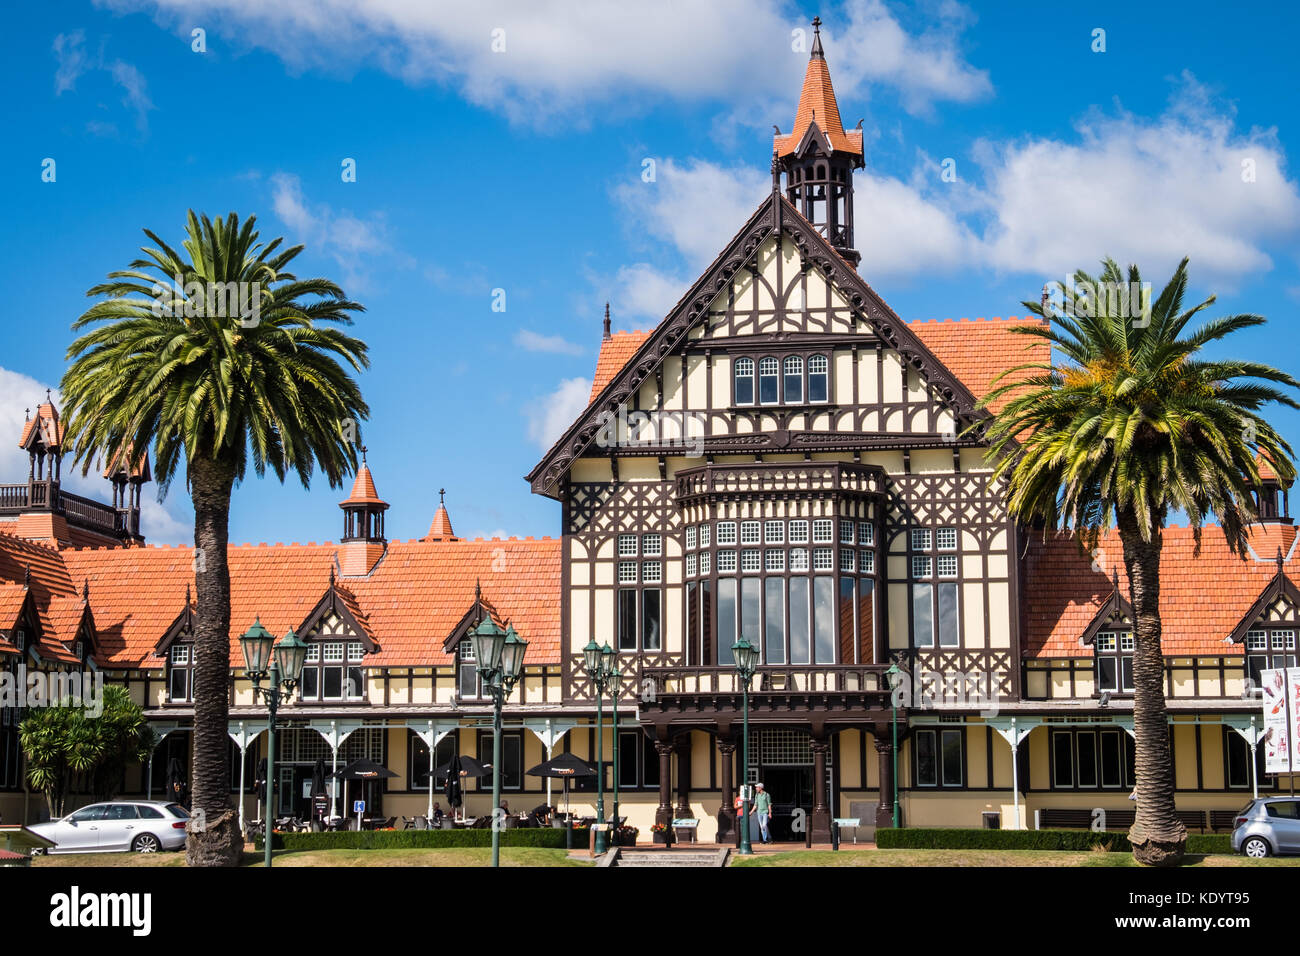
point(389, 824)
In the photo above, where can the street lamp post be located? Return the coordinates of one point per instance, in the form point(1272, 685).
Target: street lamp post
point(616, 689)
point(598, 663)
point(499, 657)
point(746, 657)
point(282, 674)
point(892, 674)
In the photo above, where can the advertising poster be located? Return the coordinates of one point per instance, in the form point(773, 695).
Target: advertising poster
point(1277, 721)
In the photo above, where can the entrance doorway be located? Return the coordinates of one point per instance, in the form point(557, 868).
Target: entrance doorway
point(791, 790)
point(782, 760)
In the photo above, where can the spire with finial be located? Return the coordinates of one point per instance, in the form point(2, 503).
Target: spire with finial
point(85, 590)
point(27, 576)
point(440, 528)
point(1280, 560)
point(331, 575)
point(607, 333)
point(818, 156)
point(188, 598)
point(478, 589)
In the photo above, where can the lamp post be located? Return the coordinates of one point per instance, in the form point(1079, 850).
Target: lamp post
point(746, 657)
point(615, 673)
point(499, 657)
point(597, 663)
point(892, 674)
point(282, 674)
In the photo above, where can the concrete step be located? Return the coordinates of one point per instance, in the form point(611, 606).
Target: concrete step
point(670, 858)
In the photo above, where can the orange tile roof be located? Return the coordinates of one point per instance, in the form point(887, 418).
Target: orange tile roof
point(1266, 469)
point(363, 490)
point(139, 470)
point(1202, 597)
point(45, 412)
point(615, 352)
point(50, 584)
point(977, 352)
point(410, 602)
point(817, 105)
point(441, 526)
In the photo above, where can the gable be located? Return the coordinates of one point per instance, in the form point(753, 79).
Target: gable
point(797, 287)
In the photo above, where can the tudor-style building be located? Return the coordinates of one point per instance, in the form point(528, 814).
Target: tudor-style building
point(782, 458)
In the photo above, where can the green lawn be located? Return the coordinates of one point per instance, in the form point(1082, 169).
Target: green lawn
point(982, 858)
point(468, 856)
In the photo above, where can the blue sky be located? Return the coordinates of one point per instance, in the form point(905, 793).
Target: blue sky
point(503, 147)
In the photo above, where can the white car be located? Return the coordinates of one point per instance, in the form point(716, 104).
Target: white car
point(141, 826)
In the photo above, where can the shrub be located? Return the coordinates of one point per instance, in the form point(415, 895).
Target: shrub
point(915, 838)
point(414, 839)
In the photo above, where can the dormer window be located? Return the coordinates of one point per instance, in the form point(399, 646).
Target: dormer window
point(1113, 652)
point(1269, 648)
point(467, 682)
point(180, 673)
point(331, 672)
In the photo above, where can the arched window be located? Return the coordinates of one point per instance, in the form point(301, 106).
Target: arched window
point(818, 379)
point(769, 370)
point(793, 380)
point(744, 391)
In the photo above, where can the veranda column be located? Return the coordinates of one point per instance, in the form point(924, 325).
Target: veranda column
point(821, 815)
point(885, 759)
point(682, 745)
point(726, 812)
point(664, 814)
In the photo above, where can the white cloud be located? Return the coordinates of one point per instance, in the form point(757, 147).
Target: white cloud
point(875, 48)
point(158, 524)
point(550, 415)
point(644, 292)
point(69, 50)
point(1140, 190)
point(1145, 190)
point(695, 205)
point(342, 236)
point(532, 341)
point(562, 56)
point(74, 62)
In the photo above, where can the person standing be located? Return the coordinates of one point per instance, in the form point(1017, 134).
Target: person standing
point(763, 808)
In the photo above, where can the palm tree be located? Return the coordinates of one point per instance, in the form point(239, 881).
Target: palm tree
point(228, 357)
point(1130, 423)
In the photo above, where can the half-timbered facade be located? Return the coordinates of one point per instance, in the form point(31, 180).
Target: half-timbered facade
point(782, 459)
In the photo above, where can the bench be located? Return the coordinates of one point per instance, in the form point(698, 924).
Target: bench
point(1050, 819)
point(690, 825)
point(1221, 820)
point(1054, 819)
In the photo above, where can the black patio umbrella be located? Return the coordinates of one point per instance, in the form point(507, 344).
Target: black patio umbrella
point(452, 771)
point(317, 785)
point(566, 766)
point(259, 784)
point(362, 769)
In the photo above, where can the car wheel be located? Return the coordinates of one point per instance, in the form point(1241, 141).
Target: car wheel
point(1256, 847)
point(145, 843)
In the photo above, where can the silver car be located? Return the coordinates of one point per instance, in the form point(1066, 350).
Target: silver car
point(1267, 826)
point(141, 826)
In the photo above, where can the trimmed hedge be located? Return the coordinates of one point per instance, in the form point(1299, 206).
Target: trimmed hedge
point(915, 838)
point(417, 839)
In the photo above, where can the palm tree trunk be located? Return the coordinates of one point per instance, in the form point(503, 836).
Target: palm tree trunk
point(215, 840)
point(1158, 836)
